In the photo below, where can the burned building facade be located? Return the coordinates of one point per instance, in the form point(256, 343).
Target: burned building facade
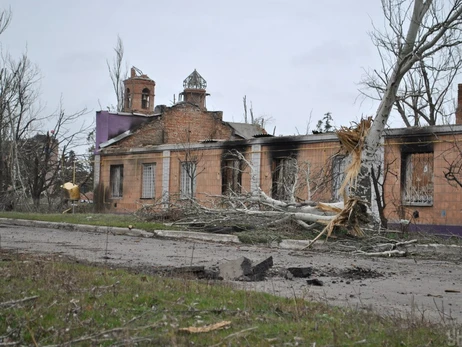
point(158, 155)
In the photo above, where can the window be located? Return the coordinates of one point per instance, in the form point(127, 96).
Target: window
point(284, 174)
point(148, 182)
point(231, 176)
point(338, 175)
point(117, 180)
point(145, 98)
point(188, 180)
point(128, 99)
point(417, 175)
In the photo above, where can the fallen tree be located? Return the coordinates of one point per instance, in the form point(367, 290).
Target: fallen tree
point(432, 26)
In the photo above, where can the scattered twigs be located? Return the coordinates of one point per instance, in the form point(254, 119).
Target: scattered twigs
point(234, 335)
point(110, 332)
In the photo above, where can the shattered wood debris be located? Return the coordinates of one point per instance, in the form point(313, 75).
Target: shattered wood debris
point(352, 141)
point(207, 328)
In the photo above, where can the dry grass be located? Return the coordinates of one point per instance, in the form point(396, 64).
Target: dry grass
point(69, 303)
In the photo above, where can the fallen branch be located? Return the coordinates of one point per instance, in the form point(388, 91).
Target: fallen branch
point(383, 254)
point(15, 302)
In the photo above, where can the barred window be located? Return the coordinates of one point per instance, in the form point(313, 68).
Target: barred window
point(284, 175)
point(188, 180)
point(148, 182)
point(418, 179)
point(116, 180)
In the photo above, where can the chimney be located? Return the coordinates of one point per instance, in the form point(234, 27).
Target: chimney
point(459, 106)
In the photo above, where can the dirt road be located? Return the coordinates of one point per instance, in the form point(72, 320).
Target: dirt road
point(386, 285)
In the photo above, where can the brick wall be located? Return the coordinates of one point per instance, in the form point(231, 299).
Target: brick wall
point(188, 123)
point(447, 199)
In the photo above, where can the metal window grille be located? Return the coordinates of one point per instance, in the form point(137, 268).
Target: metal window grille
point(187, 180)
point(116, 180)
point(284, 175)
point(418, 179)
point(149, 178)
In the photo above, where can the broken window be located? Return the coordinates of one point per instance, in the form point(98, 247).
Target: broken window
point(284, 176)
point(116, 180)
point(188, 179)
point(128, 99)
point(145, 98)
point(231, 176)
point(338, 175)
point(148, 182)
point(418, 179)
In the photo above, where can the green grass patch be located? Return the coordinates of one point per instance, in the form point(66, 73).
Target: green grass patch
point(103, 219)
point(79, 305)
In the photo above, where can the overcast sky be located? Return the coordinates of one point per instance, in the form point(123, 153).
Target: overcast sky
point(291, 58)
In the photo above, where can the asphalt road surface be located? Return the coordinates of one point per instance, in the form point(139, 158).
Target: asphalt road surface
point(389, 286)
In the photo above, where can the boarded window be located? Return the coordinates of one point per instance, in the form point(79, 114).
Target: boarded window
point(284, 175)
point(117, 180)
point(231, 176)
point(418, 179)
point(338, 175)
point(188, 179)
point(149, 177)
point(145, 98)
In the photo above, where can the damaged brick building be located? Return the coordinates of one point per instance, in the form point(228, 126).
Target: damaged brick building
point(148, 155)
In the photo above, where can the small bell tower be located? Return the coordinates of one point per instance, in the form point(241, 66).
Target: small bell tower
point(194, 90)
point(139, 93)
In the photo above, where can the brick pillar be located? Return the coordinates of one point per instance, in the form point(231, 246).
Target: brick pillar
point(165, 178)
point(255, 160)
point(96, 170)
point(459, 105)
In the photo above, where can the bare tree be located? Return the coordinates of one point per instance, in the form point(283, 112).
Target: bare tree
point(5, 19)
point(432, 27)
point(424, 97)
point(41, 157)
point(18, 112)
point(190, 160)
point(118, 73)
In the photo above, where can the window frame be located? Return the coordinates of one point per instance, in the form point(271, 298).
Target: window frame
point(281, 165)
point(413, 163)
point(145, 98)
point(148, 192)
point(116, 180)
point(188, 177)
point(231, 176)
point(339, 165)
